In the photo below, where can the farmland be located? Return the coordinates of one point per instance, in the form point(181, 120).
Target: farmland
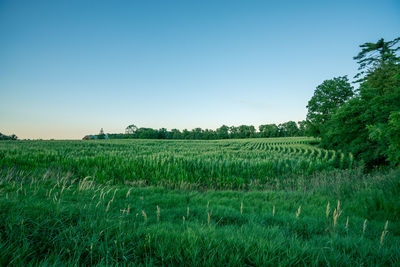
point(168, 202)
point(222, 164)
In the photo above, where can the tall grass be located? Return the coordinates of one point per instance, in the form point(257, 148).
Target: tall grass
point(221, 227)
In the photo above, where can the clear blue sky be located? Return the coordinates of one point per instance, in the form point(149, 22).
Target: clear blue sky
point(68, 68)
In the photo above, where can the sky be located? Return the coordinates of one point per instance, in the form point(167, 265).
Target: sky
point(69, 68)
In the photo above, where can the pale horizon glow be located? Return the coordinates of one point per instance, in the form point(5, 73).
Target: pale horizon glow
point(69, 68)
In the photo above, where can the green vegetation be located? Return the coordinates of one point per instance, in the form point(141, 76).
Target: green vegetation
point(365, 124)
point(152, 202)
point(8, 137)
point(221, 164)
point(287, 129)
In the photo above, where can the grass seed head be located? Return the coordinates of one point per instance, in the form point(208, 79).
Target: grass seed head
point(384, 232)
point(158, 213)
point(364, 226)
point(298, 212)
point(328, 209)
point(144, 216)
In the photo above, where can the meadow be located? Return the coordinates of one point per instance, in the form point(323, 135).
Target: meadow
point(251, 202)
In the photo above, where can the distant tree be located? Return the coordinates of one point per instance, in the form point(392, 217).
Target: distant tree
point(209, 134)
point(162, 133)
point(223, 132)
point(269, 130)
point(289, 129)
point(101, 135)
point(234, 132)
point(176, 134)
point(327, 98)
point(246, 131)
point(303, 131)
point(131, 129)
point(196, 133)
point(8, 137)
point(186, 134)
point(146, 133)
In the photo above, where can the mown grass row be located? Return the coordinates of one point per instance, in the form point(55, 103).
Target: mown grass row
point(223, 164)
point(57, 219)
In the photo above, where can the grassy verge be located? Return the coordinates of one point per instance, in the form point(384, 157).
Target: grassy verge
point(55, 218)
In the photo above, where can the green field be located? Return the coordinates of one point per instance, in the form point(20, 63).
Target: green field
point(222, 164)
point(278, 201)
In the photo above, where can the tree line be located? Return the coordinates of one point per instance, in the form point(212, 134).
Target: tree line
point(286, 129)
point(364, 121)
point(8, 137)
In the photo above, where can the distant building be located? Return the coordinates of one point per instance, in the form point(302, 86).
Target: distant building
point(89, 137)
point(93, 137)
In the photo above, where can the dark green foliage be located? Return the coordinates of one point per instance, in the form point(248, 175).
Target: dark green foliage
point(287, 129)
point(365, 125)
point(393, 135)
point(327, 98)
point(361, 126)
point(8, 137)
point(269, 130)
point(131, 129)
point(101, 135)
point(375, 55)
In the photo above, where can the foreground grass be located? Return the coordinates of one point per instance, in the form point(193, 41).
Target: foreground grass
point(56, 218)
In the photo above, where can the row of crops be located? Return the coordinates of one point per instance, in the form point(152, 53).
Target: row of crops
point(219, 164)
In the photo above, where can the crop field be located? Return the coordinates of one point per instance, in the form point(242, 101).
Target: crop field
point(223, 164)
point(251, 202)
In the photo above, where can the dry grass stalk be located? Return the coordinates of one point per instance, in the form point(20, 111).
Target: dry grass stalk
point(108, 205)
point(209, 217)
point(328, 209)
point(144, 216)
point(126, 210)
point(129, 192)
point(384, 232)
point(187, 212)
point(298, 212)
point(347, 224)
point(364, 226)
point(241, 208)
point(183, 220)
point(114, 195)
point(158, 213)
point(336, 214)
point(273, 211)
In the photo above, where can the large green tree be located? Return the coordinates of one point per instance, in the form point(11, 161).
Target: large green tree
point(366, 125)
point(327, 98)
